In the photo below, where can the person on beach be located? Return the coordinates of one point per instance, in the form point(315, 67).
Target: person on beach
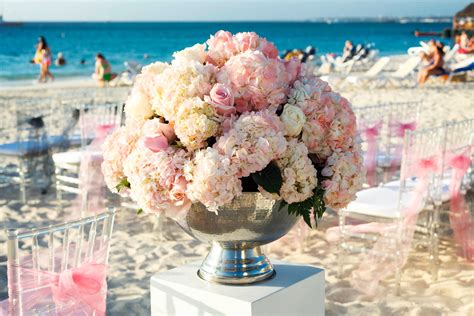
point(60, 60)
point(103, 71)
point(43, 58)
point(436, 62)
point(349, 51)
point(466, 45)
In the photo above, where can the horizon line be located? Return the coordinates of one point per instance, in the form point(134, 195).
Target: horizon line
point(312, 20)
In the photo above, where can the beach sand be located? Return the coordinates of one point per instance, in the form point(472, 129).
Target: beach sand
point(138, 251)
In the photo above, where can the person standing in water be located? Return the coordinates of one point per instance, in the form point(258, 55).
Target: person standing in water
point(103, 70)
point(43, 58)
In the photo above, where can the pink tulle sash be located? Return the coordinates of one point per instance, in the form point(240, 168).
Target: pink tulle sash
point(460, 217)
point(398, 130)
point(91, 180)
point(75, 291)
point(379, 262)
point(370, 133)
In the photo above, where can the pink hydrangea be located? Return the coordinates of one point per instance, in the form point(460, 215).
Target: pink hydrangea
point(223, 45)
point(255, 139)
point(116, 148)
point(256, 80)
point(197, 125)
point(196, 121)
point(250, 41)
point(299, 174)
point(330, 122)
point(157, 182)
point(212, 179)
point(183, 80)
point(345, 176)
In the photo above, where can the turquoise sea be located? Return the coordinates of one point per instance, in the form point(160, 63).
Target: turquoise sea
point(131, 41)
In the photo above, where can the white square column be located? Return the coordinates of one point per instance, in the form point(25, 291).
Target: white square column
point(295, 290)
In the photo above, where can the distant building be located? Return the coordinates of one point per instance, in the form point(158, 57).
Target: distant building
point(464, 19)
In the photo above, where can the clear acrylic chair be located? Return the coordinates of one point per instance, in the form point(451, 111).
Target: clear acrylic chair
point(42, 261)
point(457, 176)
point(382, 128)
point(402, 117)
point(389, 216)
point(28, 138)
point(95, 121)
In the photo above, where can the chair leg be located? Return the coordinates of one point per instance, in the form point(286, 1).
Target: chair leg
point(158, 226)
point(59, 194)
point(398, 281)
point(340, 249)
point(434, 242)
point(22, 175)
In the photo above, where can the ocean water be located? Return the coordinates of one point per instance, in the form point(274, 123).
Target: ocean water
point(120, 42)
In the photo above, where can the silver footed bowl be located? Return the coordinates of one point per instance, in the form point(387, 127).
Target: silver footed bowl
point(236, 234)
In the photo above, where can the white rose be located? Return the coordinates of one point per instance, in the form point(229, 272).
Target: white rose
point(138, 106)
point(293, 119)
point(193, 53)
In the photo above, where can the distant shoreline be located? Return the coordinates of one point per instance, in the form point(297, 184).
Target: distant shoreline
point(402, 20)
point(62, 82)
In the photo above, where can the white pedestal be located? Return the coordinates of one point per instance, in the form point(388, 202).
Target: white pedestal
point(295, 290)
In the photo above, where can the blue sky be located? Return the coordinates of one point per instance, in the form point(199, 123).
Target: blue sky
point(223, 10)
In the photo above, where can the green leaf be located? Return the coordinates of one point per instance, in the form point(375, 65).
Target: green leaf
point(122, 184)
point(282, 205)
point(269, 178)
point(315, 203)
point(319, 207)
point(177, 144)
point(139, 211)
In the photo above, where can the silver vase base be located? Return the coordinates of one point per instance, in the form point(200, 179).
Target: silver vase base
point(236, 266)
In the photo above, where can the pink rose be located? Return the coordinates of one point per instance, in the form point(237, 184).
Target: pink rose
point(154, 128)
point(178, 197)
point(223, 99)
point(156, 144)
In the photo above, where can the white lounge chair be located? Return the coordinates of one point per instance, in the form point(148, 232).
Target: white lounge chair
point(368, 77)
point(461, 68)
point(404, 76)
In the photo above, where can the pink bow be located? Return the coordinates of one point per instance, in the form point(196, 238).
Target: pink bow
point(460, 162)
point(371, 133)
point(85, 284)
point(427, 165)
point(399, 128)
point(102, 130)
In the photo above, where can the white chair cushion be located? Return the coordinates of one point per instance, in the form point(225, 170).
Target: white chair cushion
point(69, 157)
point(411, 183)
point(379, 202)
point(395, 185)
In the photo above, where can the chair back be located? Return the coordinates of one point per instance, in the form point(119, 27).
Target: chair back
point(378, 67)
point(38, 259)
point(382, 128)
point(421, 166)
point(459, 151)
point(407, 67)
point(97, 119)
point(450, 54)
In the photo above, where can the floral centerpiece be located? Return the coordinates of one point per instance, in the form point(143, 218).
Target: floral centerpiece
point(230, 116)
